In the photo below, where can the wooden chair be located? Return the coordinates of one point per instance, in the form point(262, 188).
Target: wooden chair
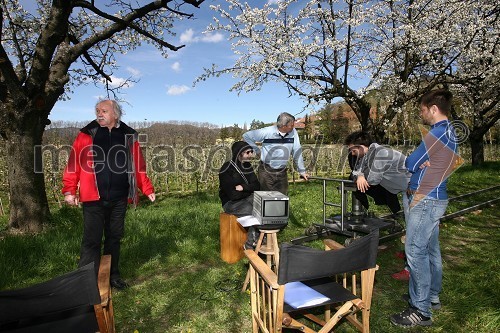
point(74, 302)
point(104, 310)
point(270, 250)
point(332, 274)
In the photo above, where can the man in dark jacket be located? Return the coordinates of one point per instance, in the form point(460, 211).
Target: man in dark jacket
point(237, 182)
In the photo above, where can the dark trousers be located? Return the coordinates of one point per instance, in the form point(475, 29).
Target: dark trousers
point(240, 208)
point(381, 197)
point(273, 179)
point(108, 218)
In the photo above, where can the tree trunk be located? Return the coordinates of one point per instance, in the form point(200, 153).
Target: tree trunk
point(477, 149)
point(379, 134)
point(29, 208)
point(362, 109)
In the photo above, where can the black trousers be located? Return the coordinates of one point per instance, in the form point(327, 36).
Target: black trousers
point(381, 197)
point(103, 218)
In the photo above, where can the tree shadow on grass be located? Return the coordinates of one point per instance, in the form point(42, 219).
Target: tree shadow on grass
point(32, 258)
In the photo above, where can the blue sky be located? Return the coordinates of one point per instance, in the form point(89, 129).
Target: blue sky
point(165, 89)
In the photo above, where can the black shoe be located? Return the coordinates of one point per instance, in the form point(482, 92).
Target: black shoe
point(409, 318)
point(434, 306)
point(118, 284)
point(249, 247)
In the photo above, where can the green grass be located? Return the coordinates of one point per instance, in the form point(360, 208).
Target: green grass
point(170, 256)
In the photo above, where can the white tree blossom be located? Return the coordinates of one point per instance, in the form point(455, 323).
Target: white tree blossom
point(321, 49)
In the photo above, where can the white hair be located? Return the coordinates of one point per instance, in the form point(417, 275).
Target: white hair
point(117, 108)
point(284, 119)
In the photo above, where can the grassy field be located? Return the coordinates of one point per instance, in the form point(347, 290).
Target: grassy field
point(170, 256)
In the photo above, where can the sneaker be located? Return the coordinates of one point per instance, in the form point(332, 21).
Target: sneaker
point(404, 275)
point(434, 306)
point(409, 318)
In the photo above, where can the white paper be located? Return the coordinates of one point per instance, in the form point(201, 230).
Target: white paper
point(247, 221)
point(299, 295)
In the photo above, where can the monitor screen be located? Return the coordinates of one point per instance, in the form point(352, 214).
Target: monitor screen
point(275, 208)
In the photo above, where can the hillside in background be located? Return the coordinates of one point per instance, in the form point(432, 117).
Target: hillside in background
point(165, 133)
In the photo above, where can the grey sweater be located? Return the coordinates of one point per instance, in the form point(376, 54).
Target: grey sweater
point(383, 166)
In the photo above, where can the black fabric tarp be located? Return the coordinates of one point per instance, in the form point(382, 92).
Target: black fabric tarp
point(315, 268)
point(63, 304)
point(301, 263)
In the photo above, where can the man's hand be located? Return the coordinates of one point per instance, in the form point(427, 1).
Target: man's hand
point(362, 184)
point(238, 188)
point(152, 197)
point(304, 175)
point(71, 199)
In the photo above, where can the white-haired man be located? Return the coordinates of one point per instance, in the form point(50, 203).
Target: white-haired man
point(104, 171)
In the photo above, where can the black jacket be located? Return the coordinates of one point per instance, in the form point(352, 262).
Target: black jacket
point(112, 159)
point(229, 176)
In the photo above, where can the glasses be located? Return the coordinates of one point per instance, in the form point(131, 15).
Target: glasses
point(248, 152)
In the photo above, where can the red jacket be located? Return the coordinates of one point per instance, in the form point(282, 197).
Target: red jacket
point(79, 174)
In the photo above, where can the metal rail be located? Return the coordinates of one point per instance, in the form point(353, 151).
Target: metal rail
point(468, 209)
point(343, 206)
point(343, 199)
point(473, 193)
point(445, 217)
point(473, 207)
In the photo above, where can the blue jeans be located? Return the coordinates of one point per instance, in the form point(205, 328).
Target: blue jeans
point(423, 253)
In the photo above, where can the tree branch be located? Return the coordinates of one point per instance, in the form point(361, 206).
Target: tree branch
point(91, 61)
point(10, 79)
point(15, 41)
point(127, 21)
point(50, 38)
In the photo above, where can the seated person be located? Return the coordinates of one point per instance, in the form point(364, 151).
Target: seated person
point(378, 171)
point(237, 182)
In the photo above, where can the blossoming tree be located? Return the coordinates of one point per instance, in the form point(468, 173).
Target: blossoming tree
point(322, 50)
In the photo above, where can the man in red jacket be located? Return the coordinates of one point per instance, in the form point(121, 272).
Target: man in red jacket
point(105, 167)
